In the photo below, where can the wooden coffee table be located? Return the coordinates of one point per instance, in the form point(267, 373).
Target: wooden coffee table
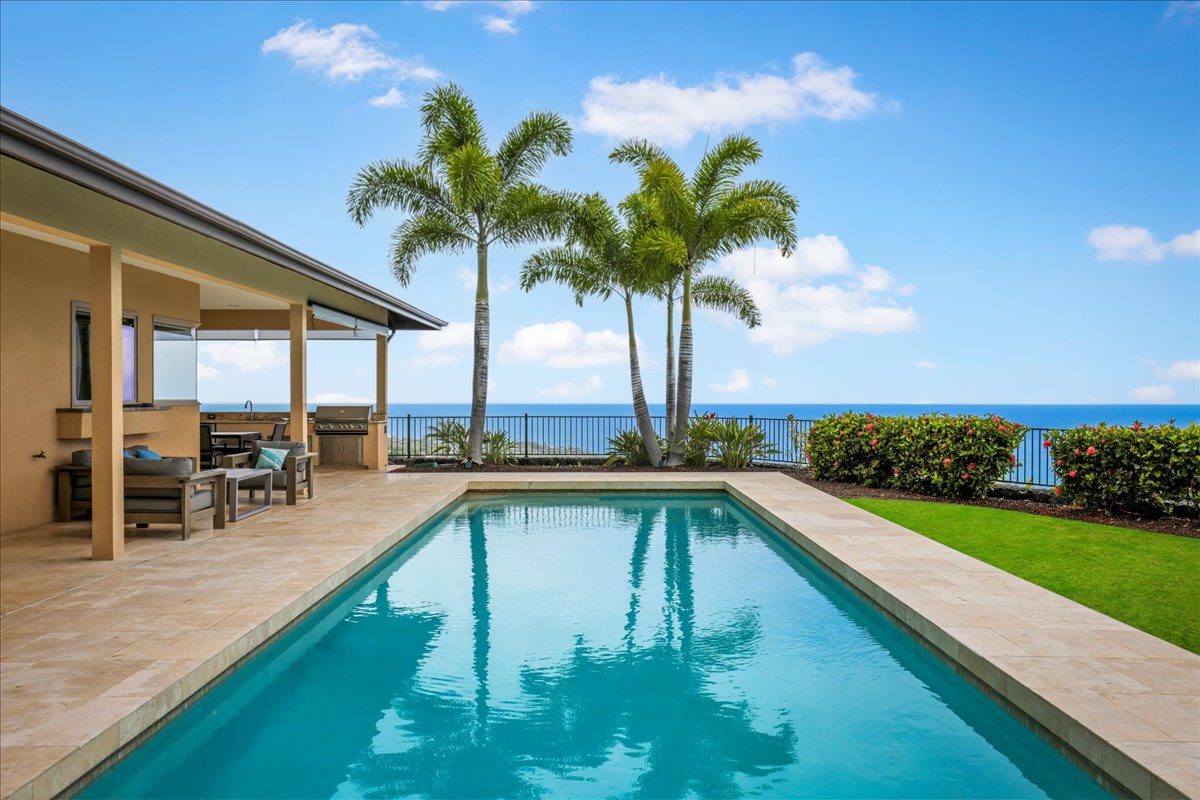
point(233, 480)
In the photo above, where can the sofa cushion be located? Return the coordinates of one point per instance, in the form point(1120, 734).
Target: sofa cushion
point(155, 468)
point(166, 505)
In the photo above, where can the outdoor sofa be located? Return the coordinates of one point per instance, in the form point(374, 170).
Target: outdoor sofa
point(157, 490)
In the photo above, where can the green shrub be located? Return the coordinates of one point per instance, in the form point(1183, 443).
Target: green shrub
point(737, 446)
point(1134, 469)
point(698, 443)
point(936, 454)
point(449, 437)
point(628, 448)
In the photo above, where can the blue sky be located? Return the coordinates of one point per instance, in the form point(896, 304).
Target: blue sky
point(999, 203)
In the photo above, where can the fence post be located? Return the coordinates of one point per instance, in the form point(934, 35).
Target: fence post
point(526, 435)
point(408, 437)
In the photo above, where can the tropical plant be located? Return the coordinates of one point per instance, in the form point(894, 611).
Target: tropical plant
point(449, 437)
point(937, 454)
point(629, 448)
point(699, 219)
point(1144, 469)
point(599, 259)
point(499, 448)
point(460, 194)
point(698, 439)
point(736, 445)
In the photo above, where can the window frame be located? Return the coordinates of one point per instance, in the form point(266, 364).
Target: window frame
point(129, 315)
point(179, 325)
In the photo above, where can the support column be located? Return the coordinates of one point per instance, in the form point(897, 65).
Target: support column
point(108, 422)
point(381, 353)
point(298, 328)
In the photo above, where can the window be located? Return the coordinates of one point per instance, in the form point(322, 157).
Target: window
point(81, 356)
point(174, 360)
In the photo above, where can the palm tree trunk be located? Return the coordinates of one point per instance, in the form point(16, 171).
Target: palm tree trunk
point(479, 376)
point(640, 410)
point(683, 399)
point(670, 397)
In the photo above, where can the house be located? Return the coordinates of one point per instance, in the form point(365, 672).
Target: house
point(108, 279)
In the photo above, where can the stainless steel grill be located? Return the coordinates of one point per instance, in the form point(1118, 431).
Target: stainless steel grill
point(341, 434)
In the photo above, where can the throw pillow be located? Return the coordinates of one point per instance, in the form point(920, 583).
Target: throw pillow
point(271, 458)
point(144, 452)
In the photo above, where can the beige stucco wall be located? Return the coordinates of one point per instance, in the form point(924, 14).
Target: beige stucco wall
point(38, 282)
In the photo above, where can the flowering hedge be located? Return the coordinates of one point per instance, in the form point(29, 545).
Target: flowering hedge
point(1137, 468)
point(937, 454)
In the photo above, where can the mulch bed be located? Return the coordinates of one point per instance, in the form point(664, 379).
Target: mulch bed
point(1176, 526)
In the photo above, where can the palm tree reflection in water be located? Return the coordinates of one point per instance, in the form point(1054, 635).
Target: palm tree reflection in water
point(644, 712)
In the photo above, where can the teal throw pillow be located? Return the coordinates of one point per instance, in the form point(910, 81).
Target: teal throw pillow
point(271, 458)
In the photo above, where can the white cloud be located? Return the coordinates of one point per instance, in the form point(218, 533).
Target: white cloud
point(505, 22)
point(1180, 371)
point(799, 311)
point(1188, 11)
point(574, 391)
point(338, 397)
point(1132, 243)
point(660, 109)
point(393, 98)
point(207, 372)
point(436, 359)
point(739, 381)
point(467, 279)
point(453, 336)
point(770, 383)
point(1160, 393)
point(566, 345)
point(814, 257)
point(344, 51)
point(1186, 244)
point(499, 25)
point(925, 365)
point(247, 356)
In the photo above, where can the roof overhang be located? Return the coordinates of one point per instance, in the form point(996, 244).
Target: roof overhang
point(34, 145)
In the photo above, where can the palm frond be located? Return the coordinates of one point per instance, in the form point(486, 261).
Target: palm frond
point(473, 176)
point(721, 293)
point(402, 185)
point(737, 225)
point(525, 149)
point(570, 267)
point(422, 234)
point(667, 187)
point(638, 152)
point(449, 121)
point(720, 166)
point(529, 212)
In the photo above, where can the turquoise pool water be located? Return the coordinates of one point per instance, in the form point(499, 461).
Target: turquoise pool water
point(594, 646)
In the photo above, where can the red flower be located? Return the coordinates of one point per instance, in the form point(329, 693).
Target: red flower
point(965, 476)
point(870, 426)
point(1076, 451)
point(1002, 428)
point(1091, 451)
point(1058, 463)
point(1013, 458)
point(970, 466)
point(1046, 444)
point(946, 461)
point(874, 442)
point(1137, 426)
point(895, 472)
point(1071, 473)
point(995, 419)
point(1057, 491)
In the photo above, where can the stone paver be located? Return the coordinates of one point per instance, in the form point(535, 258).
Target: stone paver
point(92, 654)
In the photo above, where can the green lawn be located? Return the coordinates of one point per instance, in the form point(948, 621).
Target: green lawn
point(1148, 580)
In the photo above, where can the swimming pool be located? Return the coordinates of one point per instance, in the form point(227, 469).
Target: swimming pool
point(594, 645)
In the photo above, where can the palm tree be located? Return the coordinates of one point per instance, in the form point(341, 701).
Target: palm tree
point(599, 259)
point(459, 194)
point(699, 219)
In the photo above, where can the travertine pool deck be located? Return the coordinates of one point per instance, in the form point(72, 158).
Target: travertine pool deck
point(92, 654)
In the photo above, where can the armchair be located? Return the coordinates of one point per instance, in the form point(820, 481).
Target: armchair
point(296, 474)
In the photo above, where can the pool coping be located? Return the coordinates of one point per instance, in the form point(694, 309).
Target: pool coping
point(898, 579)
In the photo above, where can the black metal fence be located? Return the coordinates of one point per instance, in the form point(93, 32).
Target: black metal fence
point(541, 436)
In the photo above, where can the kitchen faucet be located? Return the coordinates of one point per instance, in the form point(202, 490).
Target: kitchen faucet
point(250, 405)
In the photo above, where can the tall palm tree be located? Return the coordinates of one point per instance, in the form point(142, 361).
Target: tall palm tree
point(598, 259)
point(459, 194)
point(699, 219)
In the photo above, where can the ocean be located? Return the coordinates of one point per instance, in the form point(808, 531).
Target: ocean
point(1036, 416)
